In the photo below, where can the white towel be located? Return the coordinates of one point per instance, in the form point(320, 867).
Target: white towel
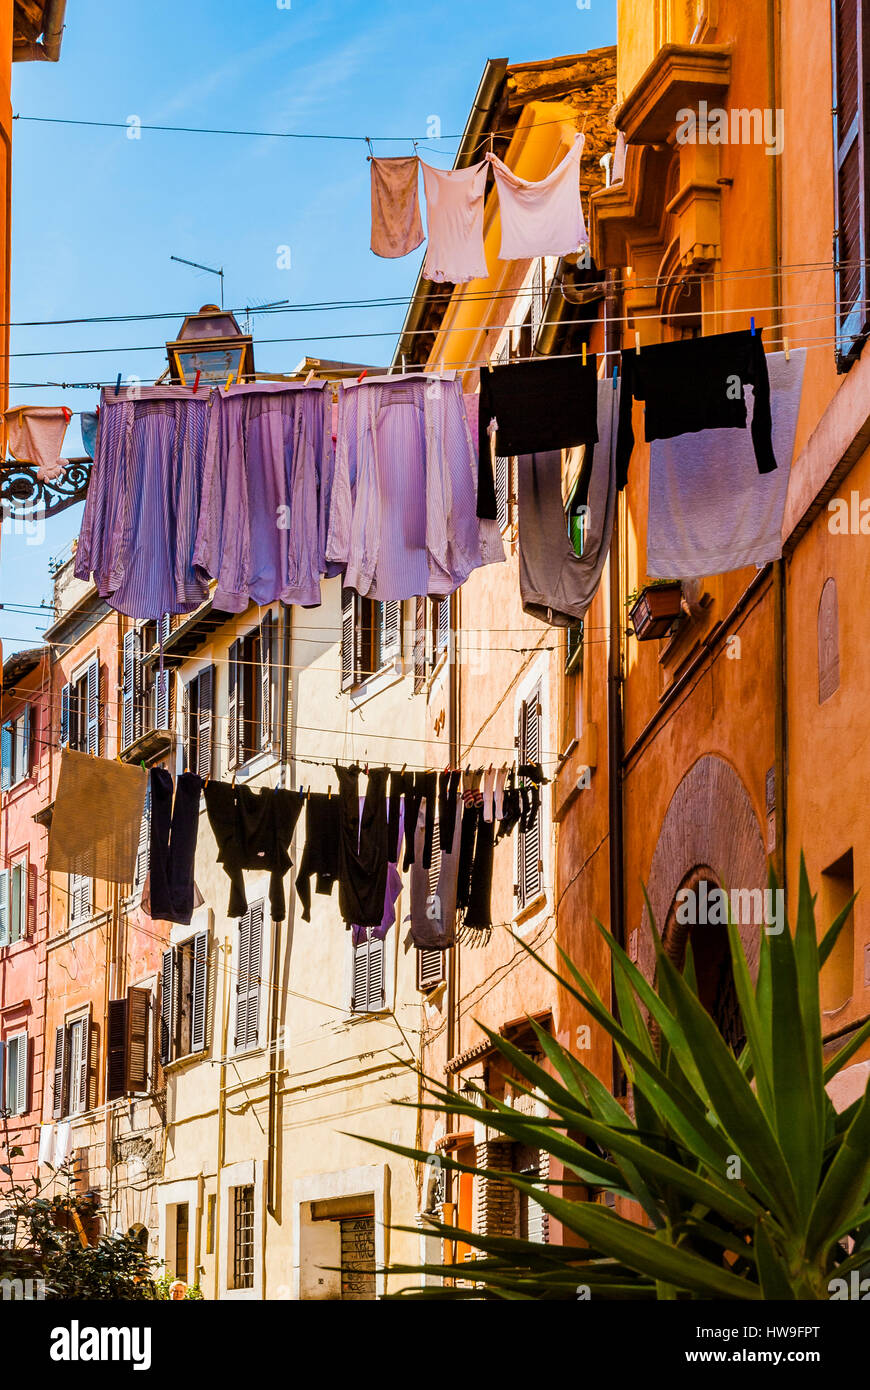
point(710, 510)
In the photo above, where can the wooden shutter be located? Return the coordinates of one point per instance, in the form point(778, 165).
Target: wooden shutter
point(84, 1097)
point(92, 734)
point(369, 988)
point(537, 307)
point(65, 707)
point(391, 632)
point(442, 624)
point(248, 980)
point(529, 876)
point(851, 65)
point(58, 1103)
point(6, 741)
point(359, 985)
point(138, 1012)
point(4, 907)
point(199, 992)
point(421, 634)
point(167, 1011)
point(131, 707)
point(22, 769)
point(79, 898)
point(22, 1079)
point(234, 707)
point(2, 1080)
point(144, 847)
point(116, 1048)
point(350, 638)
point(430, 969)
point(502, 490)
point(267, 627)
point(17, 901)
point(205, 722)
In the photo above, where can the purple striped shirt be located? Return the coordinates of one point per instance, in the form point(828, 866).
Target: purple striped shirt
point(265, 494)
point(143, 501)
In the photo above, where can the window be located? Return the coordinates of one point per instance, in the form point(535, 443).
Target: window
point(143, 847)
point(81, 899)
point(851, 75)
point(80, 711)
point(13, 1075)
point(72, 1068)
point(368, 988)
point(128, 1047)
point(182, 1231)
point(16, 749)
point(358, 1258)
point(243, 1237)
point(248, 977)
point(210, 1208)
point(529, 865)
point(198, 725)
point(250, 704)
point(431, 637)
point(183, 998)
point(14, 902)
point(145, 695)
point(532, 1220)
point(371, 637)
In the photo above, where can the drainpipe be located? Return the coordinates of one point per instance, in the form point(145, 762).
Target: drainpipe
point(222, 1121)
point(273, 1189)
point(780, 623)
point(615, 731)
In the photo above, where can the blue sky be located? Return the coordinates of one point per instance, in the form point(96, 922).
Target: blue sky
point(96, 215)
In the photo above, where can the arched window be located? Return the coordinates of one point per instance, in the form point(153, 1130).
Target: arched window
point(689, 921)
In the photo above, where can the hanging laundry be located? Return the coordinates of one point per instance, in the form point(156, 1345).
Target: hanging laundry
point(542, 218)
point(89, 420)
point(548, 404)
point(474, 878)
point(710, 510)
point(511, 807)
point(433, 905)
point(46, 1143)
point(414, 788)
point(266, 487)
point(35, 434)
point(253, 830)
point(693, 385)
point(172, 845)
point(142, 508)
point(487, 505)
point(394, 888)
point(556, 584)
point(103, 843)
point(396, 225)
point(489, 793)
point(617, 168)
point(403, 515)
point(498, 793)
point(62, 1143)
point(454, 218)
point(362, 846)
point(320, 856)
point(448, 799)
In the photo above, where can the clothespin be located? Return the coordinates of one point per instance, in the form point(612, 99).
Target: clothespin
point(301, 789)
point(329, 792)
point(752, 326)
point(787, 349)
point(584, 354)
point(371, 153)
point(637, 341)
point(233, 783)
point(205, 783)
point(308, 792)
point(196, 380)
point(142, 761)
point(229, 381)
point(403, 364)
point(118, 384)
point(239, 373)
point(309, 376)
point(363, 373)
point(615, 369)
point(67, 414)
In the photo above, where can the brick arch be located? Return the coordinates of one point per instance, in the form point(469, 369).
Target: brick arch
point(709, 823)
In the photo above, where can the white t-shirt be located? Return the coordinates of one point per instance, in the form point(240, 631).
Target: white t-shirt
point(544, 218)
point(454, 214)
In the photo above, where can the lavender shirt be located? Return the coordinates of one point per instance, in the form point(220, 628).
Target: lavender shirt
point(404, 499)
point(143, 501)
point(265, 494)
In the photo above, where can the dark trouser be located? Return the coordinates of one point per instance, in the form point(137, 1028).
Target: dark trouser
point(172, 848)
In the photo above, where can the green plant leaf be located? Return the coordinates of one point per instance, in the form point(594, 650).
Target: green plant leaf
point(844, 1190)
point(772, 1275)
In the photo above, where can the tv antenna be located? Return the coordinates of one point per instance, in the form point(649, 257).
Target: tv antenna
point(251, 309)
point(210, 268)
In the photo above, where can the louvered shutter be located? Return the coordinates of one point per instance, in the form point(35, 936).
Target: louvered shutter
point(167, 1011)
point(266, 678)
point(200, 992)
point(188, 728)
point(138, 1012)
point(143, 849)
point(2, 1075)
point(537, 308)
point(248, 982)
point(376, 976)
point(92, 740)
point(4, 907)
point(6, 741)
point(391, 633)
point(529, 844)
point(84, 1097)
point(17, 901)
point(58, 1102)
point(851, 76)
point(359, 988)
point(420, 636)
point(116, 1047)
point(205, 722)
point(234, 712)
point(502, 490)
point(22, 1074)
point(350, 639)
point(442, 624)
point(131, 696)
point(430, 969)
point(65, 705)
point(79, 897)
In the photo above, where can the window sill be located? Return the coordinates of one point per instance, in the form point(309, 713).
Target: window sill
point(261, 762)
point(376, 684)
point(10, 946)
point(177, 1064)
point(531, 910)
point(97, 919)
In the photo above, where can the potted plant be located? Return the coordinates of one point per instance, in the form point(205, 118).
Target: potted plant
point(654, 609)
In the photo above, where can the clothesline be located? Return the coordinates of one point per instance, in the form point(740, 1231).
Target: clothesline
point(470, 295)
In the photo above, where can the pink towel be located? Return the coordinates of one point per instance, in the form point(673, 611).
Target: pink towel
point(396, 225)
point(35, 434)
